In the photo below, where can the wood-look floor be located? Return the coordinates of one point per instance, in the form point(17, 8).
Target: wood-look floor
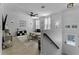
point(22, 48)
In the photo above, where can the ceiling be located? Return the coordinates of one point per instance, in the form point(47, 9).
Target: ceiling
point(35, 7)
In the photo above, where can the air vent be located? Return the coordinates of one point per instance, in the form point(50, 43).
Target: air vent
point(70, 5)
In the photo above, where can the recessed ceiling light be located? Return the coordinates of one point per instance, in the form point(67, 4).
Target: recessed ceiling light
point(42, 6)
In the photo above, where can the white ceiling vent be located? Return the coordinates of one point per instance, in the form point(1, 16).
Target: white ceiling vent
point(70, 5)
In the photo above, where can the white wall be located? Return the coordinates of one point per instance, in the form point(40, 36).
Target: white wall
point(15, 17)
point(15, 14)
point(71, 17)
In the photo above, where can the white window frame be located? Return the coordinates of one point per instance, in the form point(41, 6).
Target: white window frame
point(47, 23)
point(37, 24)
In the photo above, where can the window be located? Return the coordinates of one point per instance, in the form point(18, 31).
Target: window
point(22, 23)
point(47, 23)
point(37, 24)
